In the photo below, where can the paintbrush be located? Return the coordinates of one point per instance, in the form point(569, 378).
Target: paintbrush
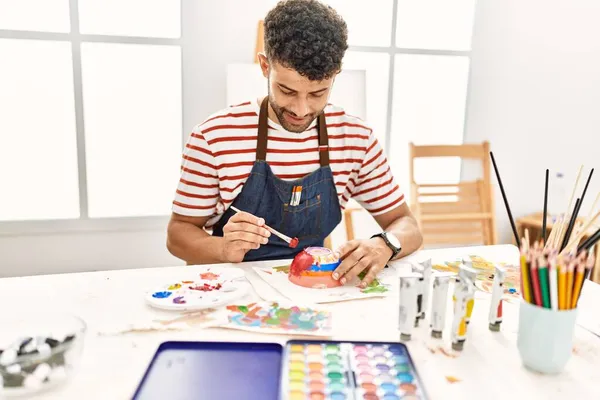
point(292, 242)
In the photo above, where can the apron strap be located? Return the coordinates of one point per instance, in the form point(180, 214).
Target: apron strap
point(263, 131)
point(263, 135)
point(323, 140)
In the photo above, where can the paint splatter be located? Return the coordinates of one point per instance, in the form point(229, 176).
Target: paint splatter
point(446, 352)
point(175, 286)
point(161, 295)
point(274, 316)
point(374, 287)
point(187, 282)
point(285, 269)
point(206, 287)
point(179, 300)
point(452, 379)
point(209, 276)
point(301, 262)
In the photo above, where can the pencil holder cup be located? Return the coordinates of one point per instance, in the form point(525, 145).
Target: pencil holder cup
point(545, 338)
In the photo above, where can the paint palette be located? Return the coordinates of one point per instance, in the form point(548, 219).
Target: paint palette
point(211, 287)
point(349, 370)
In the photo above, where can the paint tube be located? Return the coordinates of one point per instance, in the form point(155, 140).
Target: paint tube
point(420, 285)
point(427, 270)
point(496, 304)
point(468, 273)
point(408, 304)
point(463, 289)
point(439, 305)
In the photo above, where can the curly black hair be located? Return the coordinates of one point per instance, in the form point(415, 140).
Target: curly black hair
point(306, 36)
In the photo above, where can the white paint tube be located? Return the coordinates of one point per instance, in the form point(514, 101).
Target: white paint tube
point(468, 273)
point(463, 289)
point(439, 304)
point(408, 303)
point(427, 277)
point(495, 316)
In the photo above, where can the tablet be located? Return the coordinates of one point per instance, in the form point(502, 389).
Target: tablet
point(213, 370)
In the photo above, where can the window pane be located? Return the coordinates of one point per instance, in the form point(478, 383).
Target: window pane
point(377, 66)
point(435, 24)
point(428, 108)
point(38, 150)
point(369, 24)
point(35, 15)
point(156, 18)
point(132, 109)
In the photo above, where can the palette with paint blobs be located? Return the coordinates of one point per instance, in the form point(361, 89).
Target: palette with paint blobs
point(210, 287)
point(328, 370)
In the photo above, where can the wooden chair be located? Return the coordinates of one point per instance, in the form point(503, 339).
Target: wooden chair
point(456, 214)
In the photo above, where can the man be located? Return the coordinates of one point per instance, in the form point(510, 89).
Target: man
point(290, 161)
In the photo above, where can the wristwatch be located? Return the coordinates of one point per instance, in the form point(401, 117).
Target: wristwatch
point(391, 241)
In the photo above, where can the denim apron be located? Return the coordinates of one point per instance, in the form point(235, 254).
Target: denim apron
point(267, 196)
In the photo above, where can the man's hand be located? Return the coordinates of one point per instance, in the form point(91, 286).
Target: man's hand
point(242, 233)
point(362, 255)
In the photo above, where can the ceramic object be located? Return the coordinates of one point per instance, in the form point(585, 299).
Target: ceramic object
point(312, 268)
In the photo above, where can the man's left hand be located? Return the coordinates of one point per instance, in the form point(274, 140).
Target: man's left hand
point(369, 255)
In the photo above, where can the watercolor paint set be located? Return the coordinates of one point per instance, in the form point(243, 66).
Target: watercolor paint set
point(330, 370)
point(298, 370)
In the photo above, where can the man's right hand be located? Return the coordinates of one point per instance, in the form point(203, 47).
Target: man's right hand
point(242, 233)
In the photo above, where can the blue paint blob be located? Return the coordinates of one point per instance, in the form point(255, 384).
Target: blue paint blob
point(337, 396)
point(405, 378)
point(161, 295)
point(512, 290)
point(390, 396)
point(388, 387)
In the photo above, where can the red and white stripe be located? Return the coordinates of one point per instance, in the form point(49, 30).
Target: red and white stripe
point(220, 152)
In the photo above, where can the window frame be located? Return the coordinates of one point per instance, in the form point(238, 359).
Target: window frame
point(86, 224)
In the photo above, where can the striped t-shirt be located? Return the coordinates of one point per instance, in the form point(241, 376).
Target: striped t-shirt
point(220, 152)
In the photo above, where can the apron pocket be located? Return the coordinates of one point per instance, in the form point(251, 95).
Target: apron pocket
point(304, 220)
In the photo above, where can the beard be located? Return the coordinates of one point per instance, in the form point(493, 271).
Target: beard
point(280, 112)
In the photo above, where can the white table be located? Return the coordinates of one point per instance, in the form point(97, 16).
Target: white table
point(111, 366)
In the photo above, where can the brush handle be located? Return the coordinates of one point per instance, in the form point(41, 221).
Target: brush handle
point(267, 227)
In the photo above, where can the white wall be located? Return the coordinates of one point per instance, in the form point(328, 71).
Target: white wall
point(535, 95)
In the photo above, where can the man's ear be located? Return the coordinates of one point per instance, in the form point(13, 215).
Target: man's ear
point(264, 64)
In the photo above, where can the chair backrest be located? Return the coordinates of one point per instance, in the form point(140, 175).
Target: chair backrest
point(454, 213)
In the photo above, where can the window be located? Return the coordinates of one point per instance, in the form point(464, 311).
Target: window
point(416, 55)
point(91, 103)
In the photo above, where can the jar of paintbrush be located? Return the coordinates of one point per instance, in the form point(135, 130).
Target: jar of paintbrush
point(553, 272)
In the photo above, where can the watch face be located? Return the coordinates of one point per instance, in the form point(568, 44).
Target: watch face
point(393, 240)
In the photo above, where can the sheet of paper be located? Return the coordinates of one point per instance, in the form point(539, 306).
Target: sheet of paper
point(279, 318)
point(588, 316)
point(277, 277)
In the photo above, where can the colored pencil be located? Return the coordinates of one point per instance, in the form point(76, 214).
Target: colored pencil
point(545, 216)
point(510, 217)
point(562, 286)
point(525, 281)
point(570, 278)
point(543, 276)
point(577, 284)
point(535, 280)
point(553, 283)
